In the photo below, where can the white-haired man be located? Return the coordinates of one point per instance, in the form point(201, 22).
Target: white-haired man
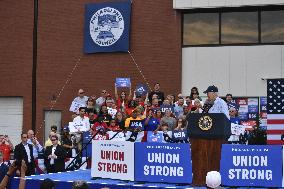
point(219, 105)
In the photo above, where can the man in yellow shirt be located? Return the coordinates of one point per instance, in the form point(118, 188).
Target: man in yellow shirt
point(133, 117)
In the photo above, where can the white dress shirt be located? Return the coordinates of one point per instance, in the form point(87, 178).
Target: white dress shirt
point(28, 151)
point(220, 106)
point(36, 148)
point(52, 153)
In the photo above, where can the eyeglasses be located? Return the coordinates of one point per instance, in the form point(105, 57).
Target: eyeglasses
point(81, 92)
point(54, 140)
point(103, 92)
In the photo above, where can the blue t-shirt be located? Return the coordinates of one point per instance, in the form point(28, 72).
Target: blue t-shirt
point(153, 124)
point(235, 120)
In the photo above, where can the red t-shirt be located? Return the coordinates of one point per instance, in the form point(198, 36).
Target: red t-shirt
point(129, 111)
point(6, 150)
point(99, 126)
point(119, 104)
point(114, 128)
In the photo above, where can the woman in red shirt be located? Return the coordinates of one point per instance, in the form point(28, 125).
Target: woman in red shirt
point(122, 100)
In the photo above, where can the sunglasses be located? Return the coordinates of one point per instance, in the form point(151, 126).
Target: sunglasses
point(82, 92)
point(103, 92)
point(54, 140)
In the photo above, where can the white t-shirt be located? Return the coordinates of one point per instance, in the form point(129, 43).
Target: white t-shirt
point(77, 103)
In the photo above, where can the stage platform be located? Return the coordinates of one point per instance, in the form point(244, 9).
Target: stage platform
point(64, 181)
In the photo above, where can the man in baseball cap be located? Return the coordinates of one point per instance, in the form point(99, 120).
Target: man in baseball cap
point(219, 105)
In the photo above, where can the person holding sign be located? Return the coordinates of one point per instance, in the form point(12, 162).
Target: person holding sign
point(81, 123)
point(133, 117)
point(79, 101)
point(151, 123)
point(99, 130)
point(122, 100)
point(180, 132)
point(233, 112)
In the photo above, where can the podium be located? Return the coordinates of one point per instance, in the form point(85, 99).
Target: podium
point(207, 133)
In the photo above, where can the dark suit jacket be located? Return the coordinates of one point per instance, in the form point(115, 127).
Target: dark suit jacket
point(59, 163)
point(21, 154)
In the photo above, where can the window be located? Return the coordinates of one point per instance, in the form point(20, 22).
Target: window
point(201, 28)
point(272, 26)
point(239, 27)
point(234, 26)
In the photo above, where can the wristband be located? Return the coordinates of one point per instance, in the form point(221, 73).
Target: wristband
point(8, 175)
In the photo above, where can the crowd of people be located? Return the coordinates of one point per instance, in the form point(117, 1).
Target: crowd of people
point(155, 111)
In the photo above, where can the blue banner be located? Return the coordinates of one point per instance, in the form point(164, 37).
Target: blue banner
point(87, 152)
point(253, 108)
point(152, 137)
point(263, 100)
point(141, 89)
point(107, 27)
point(122, 82)
point(136, 124)
point(179, 135)
point(163, 162)
point(251, 165)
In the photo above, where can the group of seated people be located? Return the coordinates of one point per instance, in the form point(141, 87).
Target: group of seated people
point(118, 112)
point(157, 112)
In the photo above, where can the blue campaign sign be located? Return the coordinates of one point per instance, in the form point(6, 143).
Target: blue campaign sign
point(243, 115)
point(136, 124)
point(163, 162)
point(179, 135)
point(253, 108)
point(251, 165)
point(107, 27)
point(141, 89)
point(263, 100)
point(122, 82)
point(87, 152)
point(151, 137)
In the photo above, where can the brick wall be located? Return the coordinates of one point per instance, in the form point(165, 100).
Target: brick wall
point(16, 60)
point(155, 43)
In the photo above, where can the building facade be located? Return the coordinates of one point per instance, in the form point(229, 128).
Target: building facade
point(233, 44)
point(62, 67)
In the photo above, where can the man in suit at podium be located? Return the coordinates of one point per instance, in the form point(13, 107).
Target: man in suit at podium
point(218, 104)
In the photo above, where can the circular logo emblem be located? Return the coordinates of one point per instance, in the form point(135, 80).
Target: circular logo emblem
point(205, 123)
point(106, 26)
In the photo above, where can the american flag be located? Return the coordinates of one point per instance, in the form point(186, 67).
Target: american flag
point(275, 111)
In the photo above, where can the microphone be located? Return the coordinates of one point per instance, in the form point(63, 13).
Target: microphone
point(207, 105)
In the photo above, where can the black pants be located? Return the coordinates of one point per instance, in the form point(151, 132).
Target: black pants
point(51, 169)
point(31, 169)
